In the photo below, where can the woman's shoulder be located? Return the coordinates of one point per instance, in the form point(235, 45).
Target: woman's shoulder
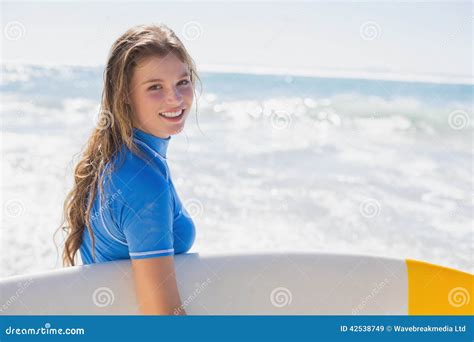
point(132, 173)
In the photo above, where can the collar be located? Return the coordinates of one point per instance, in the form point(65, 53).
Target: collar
point(157, 144)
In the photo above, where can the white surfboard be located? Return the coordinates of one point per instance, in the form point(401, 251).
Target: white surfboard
point(257, 284)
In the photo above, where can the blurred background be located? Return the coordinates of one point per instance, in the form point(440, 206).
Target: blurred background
point(322, 127)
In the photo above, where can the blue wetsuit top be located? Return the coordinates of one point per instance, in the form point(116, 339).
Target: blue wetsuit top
point(140, 215)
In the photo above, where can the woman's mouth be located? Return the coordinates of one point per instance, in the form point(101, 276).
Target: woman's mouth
point(173, 116)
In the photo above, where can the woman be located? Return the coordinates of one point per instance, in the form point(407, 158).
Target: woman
point(123, 192)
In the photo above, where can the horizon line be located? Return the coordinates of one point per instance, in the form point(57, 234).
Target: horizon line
point(360, 74)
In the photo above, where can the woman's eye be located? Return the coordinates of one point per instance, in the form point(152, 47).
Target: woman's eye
point(153, 87)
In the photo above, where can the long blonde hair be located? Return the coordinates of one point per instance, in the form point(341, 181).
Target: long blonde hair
point(114, 127)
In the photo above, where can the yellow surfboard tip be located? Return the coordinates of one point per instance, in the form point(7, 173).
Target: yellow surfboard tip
point(438, 290)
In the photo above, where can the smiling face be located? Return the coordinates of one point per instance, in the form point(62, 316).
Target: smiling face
point(161, 95)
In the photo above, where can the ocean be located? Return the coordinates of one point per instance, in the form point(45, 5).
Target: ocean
point(268, 163)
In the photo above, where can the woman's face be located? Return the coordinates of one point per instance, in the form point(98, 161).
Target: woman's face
point(160, 89)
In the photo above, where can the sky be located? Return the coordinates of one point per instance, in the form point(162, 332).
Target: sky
point(428, 39)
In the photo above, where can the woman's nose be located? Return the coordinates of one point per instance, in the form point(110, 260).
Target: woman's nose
point(174, 97)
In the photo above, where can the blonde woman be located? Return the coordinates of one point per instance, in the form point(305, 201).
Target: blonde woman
point(123, 203)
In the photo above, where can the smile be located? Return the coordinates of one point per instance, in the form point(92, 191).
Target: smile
point(172, 116)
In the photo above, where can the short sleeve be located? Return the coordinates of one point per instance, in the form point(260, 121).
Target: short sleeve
point(147, 216)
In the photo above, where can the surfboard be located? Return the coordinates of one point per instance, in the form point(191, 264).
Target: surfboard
point(256, 284)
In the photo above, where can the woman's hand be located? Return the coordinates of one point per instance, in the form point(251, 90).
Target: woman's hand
point(156, 287)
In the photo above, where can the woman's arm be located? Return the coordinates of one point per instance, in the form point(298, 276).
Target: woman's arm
point(155, 283)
